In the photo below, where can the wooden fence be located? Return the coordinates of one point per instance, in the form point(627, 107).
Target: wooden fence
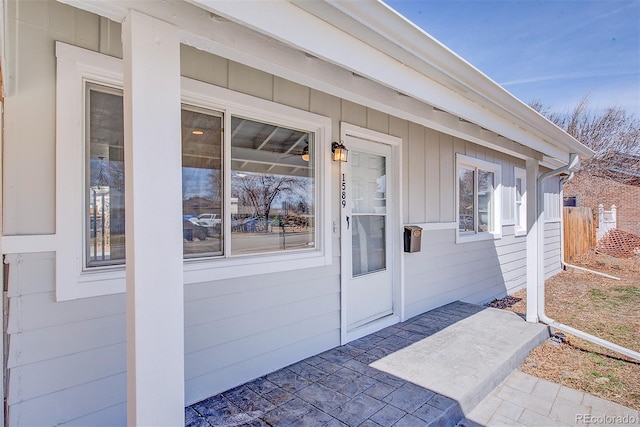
point(579, 231)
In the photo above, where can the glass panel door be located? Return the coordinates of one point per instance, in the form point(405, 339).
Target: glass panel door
point(367, 278)
point(368, 232)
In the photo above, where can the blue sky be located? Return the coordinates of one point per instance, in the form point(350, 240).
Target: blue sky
point(552, 51)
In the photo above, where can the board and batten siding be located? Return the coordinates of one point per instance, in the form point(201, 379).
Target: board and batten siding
point(552, 248)
point(445, 271)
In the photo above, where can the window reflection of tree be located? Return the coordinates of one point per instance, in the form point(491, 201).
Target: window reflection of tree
point(261, 191)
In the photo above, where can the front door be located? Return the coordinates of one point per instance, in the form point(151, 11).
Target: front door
point(367, 237)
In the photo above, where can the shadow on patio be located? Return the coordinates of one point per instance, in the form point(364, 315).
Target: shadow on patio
point(430, 370)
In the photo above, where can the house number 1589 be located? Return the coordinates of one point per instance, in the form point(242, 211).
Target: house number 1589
point(343, 193)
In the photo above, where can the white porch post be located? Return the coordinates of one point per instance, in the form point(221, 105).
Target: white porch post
point(155, 304)
point(533, 240)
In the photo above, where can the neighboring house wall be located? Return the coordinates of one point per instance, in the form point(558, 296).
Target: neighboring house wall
point(67, 359)
point(591, 191)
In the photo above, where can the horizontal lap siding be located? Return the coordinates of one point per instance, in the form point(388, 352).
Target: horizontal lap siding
point(473, 272)
point(239, 329)
point(552, 227)
point(66, 360)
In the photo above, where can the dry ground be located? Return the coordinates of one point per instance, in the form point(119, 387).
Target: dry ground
point(609, 309)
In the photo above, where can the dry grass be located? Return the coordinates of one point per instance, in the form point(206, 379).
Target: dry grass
point(602, 307)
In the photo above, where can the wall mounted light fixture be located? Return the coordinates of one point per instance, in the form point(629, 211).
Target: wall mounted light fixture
point(305, 153)
point(340, 152)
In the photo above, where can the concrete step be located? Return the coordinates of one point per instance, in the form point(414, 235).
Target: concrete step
point(466, 360)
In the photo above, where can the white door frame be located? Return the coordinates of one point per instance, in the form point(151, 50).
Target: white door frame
point(395, 257)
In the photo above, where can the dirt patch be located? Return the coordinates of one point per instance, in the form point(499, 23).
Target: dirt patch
point(597, 305)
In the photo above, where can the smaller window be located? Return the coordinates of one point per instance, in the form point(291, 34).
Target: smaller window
point(520, 201)
point(104, 189)
point(478, 193)
point(202, 182)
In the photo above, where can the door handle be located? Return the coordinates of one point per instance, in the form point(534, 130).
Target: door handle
point(347, 222)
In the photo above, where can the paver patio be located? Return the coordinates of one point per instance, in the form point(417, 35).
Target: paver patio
point(430, 370)
point(338, 387)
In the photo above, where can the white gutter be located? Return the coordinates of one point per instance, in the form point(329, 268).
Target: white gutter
point(569, 168)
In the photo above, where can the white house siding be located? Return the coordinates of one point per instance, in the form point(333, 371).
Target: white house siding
point(552, 244)
point(446, 271)
point(474, 272)
point(552, 226)
point(67, 360)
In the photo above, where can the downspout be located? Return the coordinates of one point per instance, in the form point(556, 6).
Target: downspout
point(574, 161)
point(565, 264)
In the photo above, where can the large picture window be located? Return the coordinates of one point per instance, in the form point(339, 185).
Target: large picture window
point(272, 194)
point(272, 188)
point(252, 179)
point(478, 194)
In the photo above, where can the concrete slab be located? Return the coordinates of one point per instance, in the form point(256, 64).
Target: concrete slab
point(466, 360)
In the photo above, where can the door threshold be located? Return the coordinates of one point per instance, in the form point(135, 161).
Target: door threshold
point(370, 328)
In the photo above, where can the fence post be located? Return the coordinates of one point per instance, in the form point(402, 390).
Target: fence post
point(614, 216)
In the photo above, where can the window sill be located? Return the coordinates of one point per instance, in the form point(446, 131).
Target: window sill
point(520, 232)
point(476, 237)
point(112, 280)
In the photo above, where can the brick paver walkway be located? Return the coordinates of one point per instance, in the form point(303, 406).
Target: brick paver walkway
point(524, 400)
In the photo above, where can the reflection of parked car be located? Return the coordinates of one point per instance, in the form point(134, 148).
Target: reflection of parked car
point(207, 220)
point(191, 229)
point(466, 222)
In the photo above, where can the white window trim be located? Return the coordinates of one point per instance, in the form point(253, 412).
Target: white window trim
point(238, 104)
point(472, 162)
point(75, 66)
point(520, 228)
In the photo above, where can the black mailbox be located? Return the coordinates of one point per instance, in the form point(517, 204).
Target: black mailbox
point(412, 238)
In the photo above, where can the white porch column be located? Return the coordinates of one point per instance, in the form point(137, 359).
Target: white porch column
point(533, 222)
point(155, 304)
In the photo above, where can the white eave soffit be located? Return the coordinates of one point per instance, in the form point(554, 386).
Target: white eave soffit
point(358, 28)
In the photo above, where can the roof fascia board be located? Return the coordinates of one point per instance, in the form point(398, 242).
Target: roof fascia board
point(291, 25)
point(113, 10)
point(402, 39)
